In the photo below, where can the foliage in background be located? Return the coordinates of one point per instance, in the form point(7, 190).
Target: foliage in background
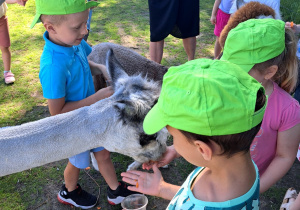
point(290, 10)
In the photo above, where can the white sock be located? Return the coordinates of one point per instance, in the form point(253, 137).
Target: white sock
point(6, 71)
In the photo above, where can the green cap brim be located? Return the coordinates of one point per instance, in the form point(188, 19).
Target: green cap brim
point(154, 121)
point(245, 67)
point(88, 5)
point(35, 20)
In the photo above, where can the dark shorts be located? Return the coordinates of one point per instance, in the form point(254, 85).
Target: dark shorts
point(180, 18)
point(4, 32)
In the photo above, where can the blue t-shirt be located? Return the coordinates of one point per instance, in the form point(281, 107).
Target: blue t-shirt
point(225, 5)
point(65, 71)
point(185, 200)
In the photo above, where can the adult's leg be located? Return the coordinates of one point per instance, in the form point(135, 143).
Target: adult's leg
point(189, 45)
point(156, 51)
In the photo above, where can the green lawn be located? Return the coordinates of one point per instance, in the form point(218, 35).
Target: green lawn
point(121, 22)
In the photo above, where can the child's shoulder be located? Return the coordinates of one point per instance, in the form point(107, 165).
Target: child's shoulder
point(281, 96)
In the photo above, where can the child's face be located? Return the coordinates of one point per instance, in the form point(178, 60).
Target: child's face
point(71, 31)
point(186, 149)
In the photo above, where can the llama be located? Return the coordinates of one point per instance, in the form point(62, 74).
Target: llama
point(114, 122)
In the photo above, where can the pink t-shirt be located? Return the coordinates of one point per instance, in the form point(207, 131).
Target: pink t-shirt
point(282, 113)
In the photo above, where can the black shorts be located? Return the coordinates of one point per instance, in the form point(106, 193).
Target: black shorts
point(180, 18)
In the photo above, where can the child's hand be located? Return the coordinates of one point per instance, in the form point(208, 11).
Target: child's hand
point(293, 26)
point(143, 182)
point(169, 155)
point(213, 19)
point(104, 93)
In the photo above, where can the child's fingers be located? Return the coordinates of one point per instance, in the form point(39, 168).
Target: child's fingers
point(130, 181)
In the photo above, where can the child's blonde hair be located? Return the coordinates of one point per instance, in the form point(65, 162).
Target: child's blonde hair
point(53, 19)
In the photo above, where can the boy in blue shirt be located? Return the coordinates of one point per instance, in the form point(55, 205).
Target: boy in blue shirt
point(65, 75)
point(213, 109)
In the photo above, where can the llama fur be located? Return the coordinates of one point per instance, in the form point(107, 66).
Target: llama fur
point(115, 123)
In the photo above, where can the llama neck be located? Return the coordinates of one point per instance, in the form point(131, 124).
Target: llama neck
point(54, 138)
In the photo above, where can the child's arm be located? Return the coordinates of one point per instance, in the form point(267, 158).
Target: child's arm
point(214, 11)
point(287, 145)
point(59, 106)
point(150, 183)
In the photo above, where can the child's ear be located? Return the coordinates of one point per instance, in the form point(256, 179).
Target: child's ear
point(49, 27)
point(204, 149)
point(271, 71)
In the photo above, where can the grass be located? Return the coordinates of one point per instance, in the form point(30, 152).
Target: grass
point(121, 22)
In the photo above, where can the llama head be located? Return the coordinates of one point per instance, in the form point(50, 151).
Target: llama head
point(134, 97)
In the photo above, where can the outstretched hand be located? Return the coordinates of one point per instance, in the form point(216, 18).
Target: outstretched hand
point(144, 182)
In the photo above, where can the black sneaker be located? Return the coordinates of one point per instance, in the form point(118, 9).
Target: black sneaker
point(115, 197)
point(78, 197)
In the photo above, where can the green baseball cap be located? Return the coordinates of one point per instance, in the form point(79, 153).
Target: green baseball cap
point(207, 97)
point(254, 41)
point(60, 7)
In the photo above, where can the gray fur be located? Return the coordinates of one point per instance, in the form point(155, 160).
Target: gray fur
point(130, 61)
point(115, 123)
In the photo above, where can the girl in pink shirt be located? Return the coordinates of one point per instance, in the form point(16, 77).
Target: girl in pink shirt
point(270, 57)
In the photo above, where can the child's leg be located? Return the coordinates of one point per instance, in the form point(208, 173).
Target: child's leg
point(189, 45)
point(218, 48)
point(6, 57)
point(71, 175)
point(71, 193)
point(106, 168)
point(156, 51)
point(116, 190)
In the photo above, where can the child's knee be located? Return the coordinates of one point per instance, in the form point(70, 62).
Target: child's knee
point(4, 49)
point(102, 155)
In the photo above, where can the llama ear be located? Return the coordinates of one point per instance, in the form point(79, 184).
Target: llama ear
point(114, 68)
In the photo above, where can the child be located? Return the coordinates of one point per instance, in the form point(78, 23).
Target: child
point(9, 77)
point(213, 110)
point(219, 17)
point(265, 49)
point(66, 79)
point(274, 4)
